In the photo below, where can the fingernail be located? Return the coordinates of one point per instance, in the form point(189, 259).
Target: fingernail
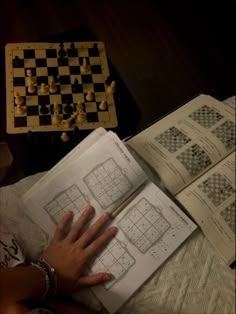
point(105, 216)
point(113, 230)
point(108, 277)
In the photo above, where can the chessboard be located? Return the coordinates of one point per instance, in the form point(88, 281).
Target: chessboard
point(58, 86)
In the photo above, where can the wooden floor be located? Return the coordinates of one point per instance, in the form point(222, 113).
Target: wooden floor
point(166, 52)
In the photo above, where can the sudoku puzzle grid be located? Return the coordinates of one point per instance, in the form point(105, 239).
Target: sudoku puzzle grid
point(107, 183)
point(114, 259)
point(144, 225)
point(70, 199)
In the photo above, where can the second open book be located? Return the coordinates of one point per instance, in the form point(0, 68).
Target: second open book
point(102, 172)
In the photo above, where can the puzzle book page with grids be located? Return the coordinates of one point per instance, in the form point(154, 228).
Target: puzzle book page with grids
point(194, 144)
point(104, 174)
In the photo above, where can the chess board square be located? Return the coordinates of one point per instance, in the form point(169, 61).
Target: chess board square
point(52, 62)
point(20, 63)
point(20, 122)
point(74, 69)
point(72, 53)
point(93, 51)
point(19, 53)
point(52, 108)
point(41, 63)
point(98, 78)
point(32, 110)
point(63, 70)
point(51, 53)
point(65, 79)
point(18, 81)
point(62, 62)
point(52, 71)
point(77, 98)
point(29, 54)
point(67, 98)
point(94, 61)
point(58, 90)
point(33, 71)
point(55, 98)
point(92, 117)
point(73, 61)
point(91, 107)
point(43, 100)
point(66, 89)
point(21, 90)
point(86, 78)
point(81, 60)
point(31, 100)
point(99, 87)
point(32, 121)
point(42, 79)
point(30, 63)
point(79, 89)
point(87, 88)
point(96, 69)
point(40, 54)
point(73, 77)
point(41, 72)
point(45, 120)
point(83, 52)
point(100, 96)
point(103, 116)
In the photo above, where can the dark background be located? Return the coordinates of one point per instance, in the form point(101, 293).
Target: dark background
point(164, 52)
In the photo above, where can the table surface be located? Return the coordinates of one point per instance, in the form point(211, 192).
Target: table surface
point(165, 53)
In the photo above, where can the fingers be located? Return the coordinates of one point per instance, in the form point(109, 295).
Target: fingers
point(92, 280)
point(100, 242)
point(80, 223)
point(89, 235)
point(60, 229)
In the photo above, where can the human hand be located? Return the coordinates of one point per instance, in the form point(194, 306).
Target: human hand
point(70, 254)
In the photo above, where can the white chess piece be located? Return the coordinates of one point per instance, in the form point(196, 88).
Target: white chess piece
point(52, 86)
point(56, 107)
point(89, 96)
point(56, 119)
point(85, 67)
point(31, 88)
point(81, 117)
point(112, 88)
point(79, 106)
point(64, 137)
point(20, 110)
point(30, 79)
point(43, 88)
point(103, 105)
point(66, 123)
point(19, 100)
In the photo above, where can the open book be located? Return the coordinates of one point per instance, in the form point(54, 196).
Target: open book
point(102, 172)
point(193, 152)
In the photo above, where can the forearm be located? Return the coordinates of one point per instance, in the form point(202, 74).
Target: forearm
point(21, 283)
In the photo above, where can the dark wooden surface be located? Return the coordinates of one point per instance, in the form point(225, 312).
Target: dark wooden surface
point(165, 52)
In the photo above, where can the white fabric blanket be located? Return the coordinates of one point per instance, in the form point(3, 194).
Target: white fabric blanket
point(194, 280)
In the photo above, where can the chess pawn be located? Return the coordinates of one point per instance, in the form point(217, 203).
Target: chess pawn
point(89, 96)
point(85, 67)
point(19, 100)
point(81, 117)
point(31, 88)
point(43, 88)
point(103, 105)
point(64, 137)
point(56, 107)
point(20, 110)
point(52, 86)
point(79, 106)
point(112, 88)
point(56, 119)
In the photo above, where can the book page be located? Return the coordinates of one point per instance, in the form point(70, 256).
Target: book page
point(211, 202)
point(150, 229)
point(188, 142)
point(104, 175)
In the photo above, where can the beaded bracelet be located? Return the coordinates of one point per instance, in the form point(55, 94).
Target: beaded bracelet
point(50, 277)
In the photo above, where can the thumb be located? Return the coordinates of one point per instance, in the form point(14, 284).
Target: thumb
point(93, 280)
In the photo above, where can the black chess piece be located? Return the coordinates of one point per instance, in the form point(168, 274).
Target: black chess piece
point(75, 86)
point(61, 52)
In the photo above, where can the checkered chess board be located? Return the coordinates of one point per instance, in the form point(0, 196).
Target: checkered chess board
point(43, 60)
